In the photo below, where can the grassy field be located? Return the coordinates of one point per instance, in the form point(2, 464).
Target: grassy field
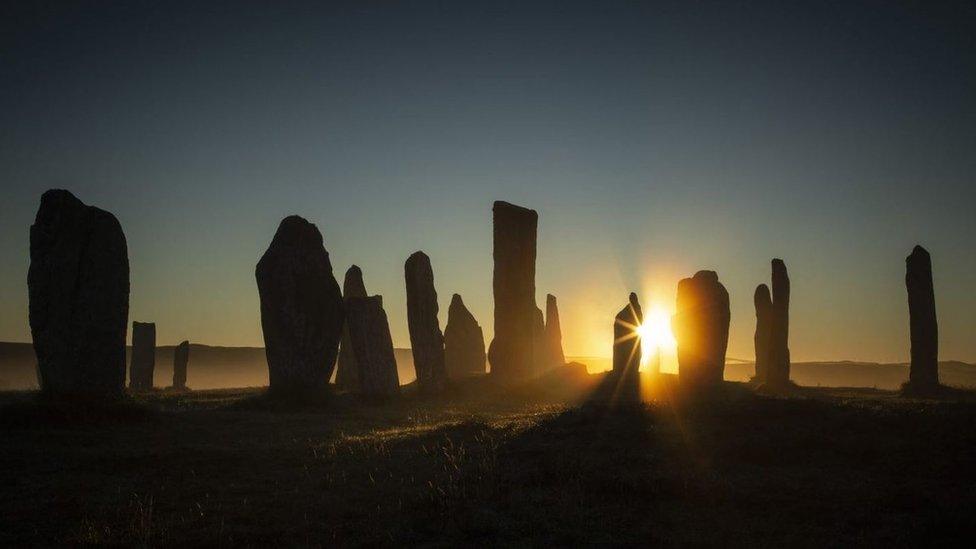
point(542, 464)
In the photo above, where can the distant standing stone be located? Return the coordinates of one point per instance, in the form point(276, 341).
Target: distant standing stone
point(369, 335)
point(143, 356)
point(301, 309)
point(554, 333)
point(181, 356)
point(764, 319)
point(923, 375)
point(464, 342)
point(701, 328)
point(779, 353)
point(347, 377)
point(78, 289)
point(426, 339)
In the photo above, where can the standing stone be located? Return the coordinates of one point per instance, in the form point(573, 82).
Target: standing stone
point(763, 337)
point(143, 356)
point(346, 377)
point(426, 339)
point(369, 336)
point(923, 375)
point(627, 349)
point(464, 342)
point(511, 353)
point(78, 289)
point(539, 346)
point(779, 354)
point(554, 333)
point(701, 328)
point(301, 309)
point(181, 356)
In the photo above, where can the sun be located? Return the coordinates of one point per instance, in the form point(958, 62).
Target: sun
point(655, 333)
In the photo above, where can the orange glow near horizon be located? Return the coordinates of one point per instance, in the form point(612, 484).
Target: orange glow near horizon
point(656, 336)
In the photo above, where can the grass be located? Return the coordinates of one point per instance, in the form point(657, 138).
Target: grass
point(488, 465)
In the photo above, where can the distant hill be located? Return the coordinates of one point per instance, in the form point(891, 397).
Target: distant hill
point(220, 367)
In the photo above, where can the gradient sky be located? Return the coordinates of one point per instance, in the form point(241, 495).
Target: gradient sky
point(654, 139)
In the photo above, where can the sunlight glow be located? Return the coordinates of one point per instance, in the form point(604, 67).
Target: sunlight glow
point(655, 334)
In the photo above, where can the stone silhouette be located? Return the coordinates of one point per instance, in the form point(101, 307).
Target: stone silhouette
point(779, 354)
point(301, 309)
point(554, 333)
point(369, 336)
point(701, 328)
point(539, 347)
point(512, 353)
point(763, 337)
point(181, 356)
point(78, 289)
point(426, 339)
point(347, 375)
point(923, 374)
point(627, 349)
point(464, 342)
point(143, 356)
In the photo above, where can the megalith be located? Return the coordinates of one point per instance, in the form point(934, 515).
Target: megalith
point(762, 339)
point(627, 350)
point(779, 354)
point(923, 374)
point(78, 291)
point(181, 357)
point(426, 339)
point(301, 309)
point(539, 347)
point(143, 356)
point(701, 328)
point(346, 376)
point(464, 342)
point(369, 336)
point(554, 334)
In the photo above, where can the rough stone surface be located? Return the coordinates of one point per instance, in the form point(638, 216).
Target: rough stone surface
point(554, 333)
point(923, 374)
point(511, 353)
point(464, 342)
point(701, 328)
point(181, 357)
point(78, 289)
point(779, 353)
point(301, 309)
point(369, 335)
point(347, 376)
point(426, 339)
point(764, 319)
point(143, 356)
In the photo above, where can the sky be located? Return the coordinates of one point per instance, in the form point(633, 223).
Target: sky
point(655, 139)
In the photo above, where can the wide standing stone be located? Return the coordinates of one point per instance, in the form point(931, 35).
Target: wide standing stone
point(464, 342)
point(301, 309)
point(369, 336)
point(181, 356)
point(426, 339)
point(779, 353)
point(701, 328)
point(143, 356)
point(762, 339)
point(511, 353)
point(554, 333)
point(923, 375)
point(347, 377)
point(78, 289)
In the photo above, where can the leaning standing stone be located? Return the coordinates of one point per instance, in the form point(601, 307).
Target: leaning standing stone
point(369, 335)
point(512, 353)
point(426, 339)
point(346, 377)
point(181, 356)
point(143, 356)
point(701, 328)
point(301, 309)
point(554, 333)
point(464, 342)
point(923, 374)
point(78, 289)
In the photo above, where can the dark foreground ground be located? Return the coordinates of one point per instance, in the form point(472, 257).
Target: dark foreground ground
point(490, 466)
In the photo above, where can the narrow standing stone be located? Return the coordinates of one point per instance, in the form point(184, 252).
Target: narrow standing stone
point(181, 356)
point(426, 339)
point(627, 349)
point(701, 328)
point(923, 375)
point(78, 289)
point(464, 342)
point(143, 356)
point(539, 346)
point(764, 319)
point(779, 354)
point(554, 333)
point(347, 378)
point(369, 336)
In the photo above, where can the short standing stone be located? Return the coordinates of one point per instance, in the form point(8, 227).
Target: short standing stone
point(181, 356)
point(426, 339)
point(464, 342)
point(301, 309)
point(779, 352)
point(554, 333)
point(346, 377)
point(764, 314)
point(369, 335)
point(143, 356)
point(511, 353)
point(923, 375)
point(78, 288)
point(701, 328)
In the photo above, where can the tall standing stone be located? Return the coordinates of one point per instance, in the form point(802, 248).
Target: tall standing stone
point(181, 356)
point(763, 337)
point(464, 342)
point(627, 349)
point(301, 309)
point(539, 347)
point(346, 377)
point(779, 355)
point(426, 339)
point(511, 353)
point(369, 336)
point(143, 356)
point(923, 375)
point(78, 289)
point(701, 328)
point(554, 333)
